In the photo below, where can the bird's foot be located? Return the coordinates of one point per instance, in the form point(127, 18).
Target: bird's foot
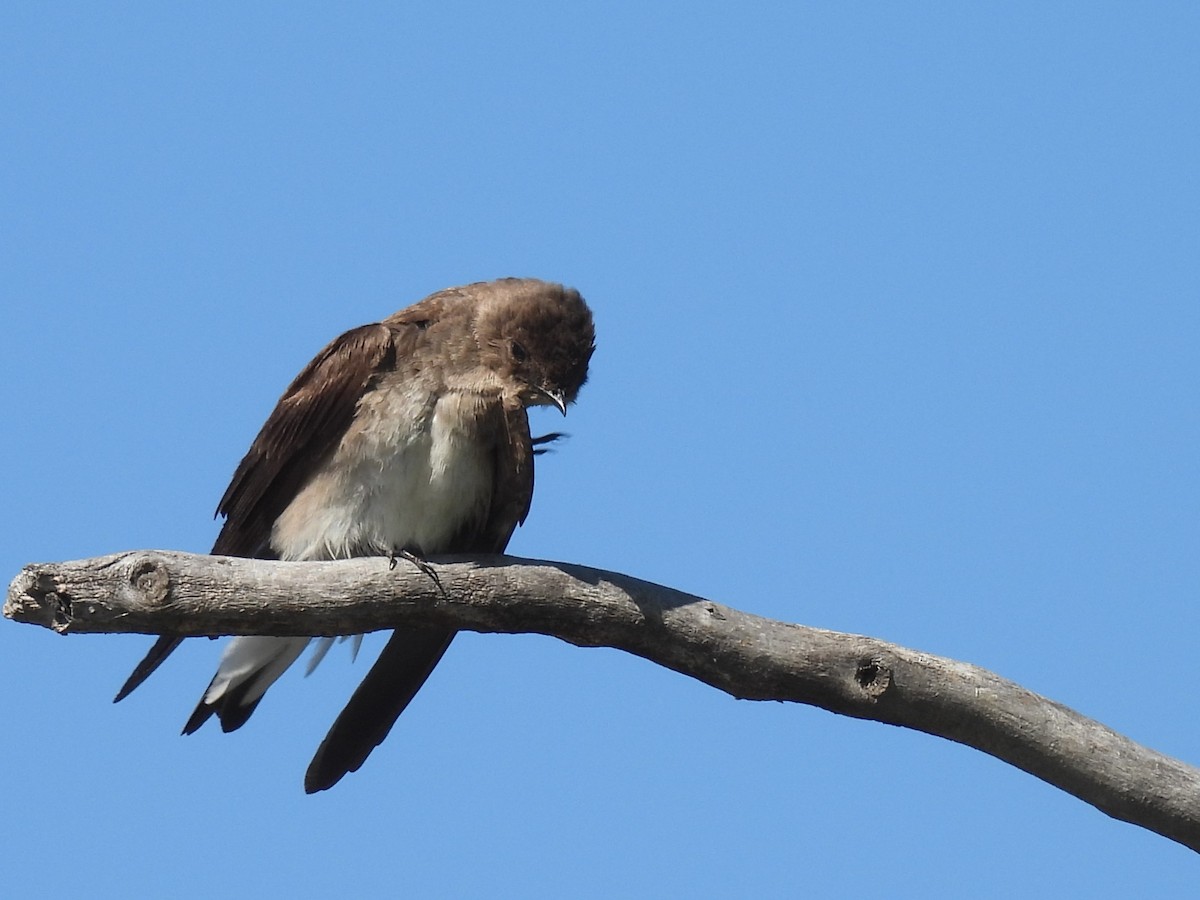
point(425, 567)
point(539, 443)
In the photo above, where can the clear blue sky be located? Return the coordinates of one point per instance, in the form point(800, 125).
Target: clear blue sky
point(898, 308)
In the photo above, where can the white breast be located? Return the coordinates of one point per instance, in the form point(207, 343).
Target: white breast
point(408, 475)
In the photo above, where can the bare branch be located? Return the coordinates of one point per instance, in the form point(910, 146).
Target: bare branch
point(749, 657)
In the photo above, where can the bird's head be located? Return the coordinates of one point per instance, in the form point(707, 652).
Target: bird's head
point(538, 336)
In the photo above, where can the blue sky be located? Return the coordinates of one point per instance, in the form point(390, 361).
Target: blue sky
point(897, 311)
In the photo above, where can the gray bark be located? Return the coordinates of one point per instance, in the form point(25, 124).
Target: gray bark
point(749, 657)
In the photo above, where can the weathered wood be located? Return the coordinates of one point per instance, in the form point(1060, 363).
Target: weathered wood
point(747, 656)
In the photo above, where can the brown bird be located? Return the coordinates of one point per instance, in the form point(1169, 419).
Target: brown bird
point(406, 437)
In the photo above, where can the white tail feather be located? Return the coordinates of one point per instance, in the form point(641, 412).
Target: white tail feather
point(262, 658)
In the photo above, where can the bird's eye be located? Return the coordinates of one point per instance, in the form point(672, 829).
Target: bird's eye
point(518, 352)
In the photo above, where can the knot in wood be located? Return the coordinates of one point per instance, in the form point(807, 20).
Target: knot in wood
point(150, 578)
point(873, 676)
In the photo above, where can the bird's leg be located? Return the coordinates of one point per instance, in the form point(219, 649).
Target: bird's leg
point(411, 557)
point(539, 442)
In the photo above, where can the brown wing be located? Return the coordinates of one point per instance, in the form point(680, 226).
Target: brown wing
point(512, 487)
point(305, 426)
point(411, 654)
point(303, 429)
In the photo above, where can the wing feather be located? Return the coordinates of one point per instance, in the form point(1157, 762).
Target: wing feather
point(303, 429)
point(411, 654)
point(301, 432)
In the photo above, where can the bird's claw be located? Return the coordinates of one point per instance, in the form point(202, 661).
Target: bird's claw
point(425, 567)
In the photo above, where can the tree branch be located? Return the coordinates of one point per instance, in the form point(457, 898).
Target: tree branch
point(749, 657)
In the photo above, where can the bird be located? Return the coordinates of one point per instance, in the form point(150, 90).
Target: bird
point(407, 437)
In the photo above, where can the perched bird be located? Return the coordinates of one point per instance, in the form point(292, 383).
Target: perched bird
point(409, 437)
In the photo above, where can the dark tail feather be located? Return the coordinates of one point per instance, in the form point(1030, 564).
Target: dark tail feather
point(201, 714)
point(231, 708)
point(162, 648)
point(409, 657)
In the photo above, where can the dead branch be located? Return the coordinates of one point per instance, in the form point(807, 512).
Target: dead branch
point(749, 657)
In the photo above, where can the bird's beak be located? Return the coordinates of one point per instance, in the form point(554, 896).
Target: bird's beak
point(555, 398)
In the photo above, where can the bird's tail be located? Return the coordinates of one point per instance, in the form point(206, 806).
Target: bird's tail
point(248, 667)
